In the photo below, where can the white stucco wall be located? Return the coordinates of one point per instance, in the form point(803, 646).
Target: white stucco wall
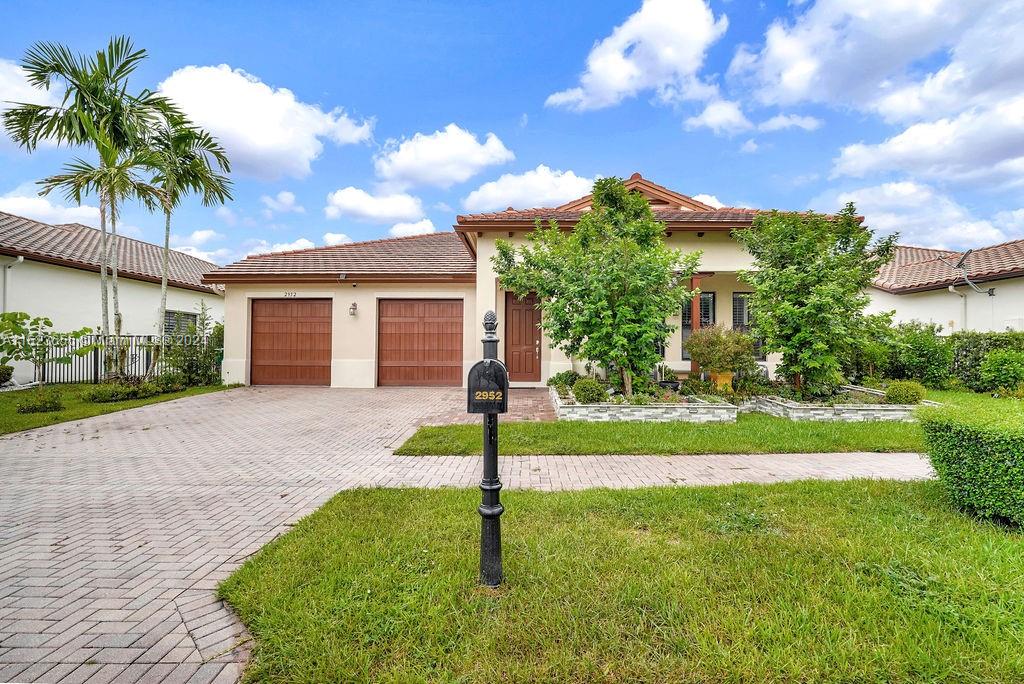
point(71, 299)
point(354, 338)
point(983, 313)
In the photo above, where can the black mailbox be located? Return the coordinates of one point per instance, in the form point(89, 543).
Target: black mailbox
point(488, 387)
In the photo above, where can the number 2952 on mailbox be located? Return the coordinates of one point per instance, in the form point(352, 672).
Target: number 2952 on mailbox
point(487, 387)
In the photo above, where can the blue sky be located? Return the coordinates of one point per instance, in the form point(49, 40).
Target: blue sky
point(362, 120)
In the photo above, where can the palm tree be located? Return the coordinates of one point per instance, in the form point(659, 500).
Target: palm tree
point(118, 177)
point(95, 110)
point(184, 159)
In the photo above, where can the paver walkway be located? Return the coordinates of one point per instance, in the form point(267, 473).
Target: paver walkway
point(115, 530)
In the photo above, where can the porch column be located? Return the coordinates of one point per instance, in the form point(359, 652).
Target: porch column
point(694, 321)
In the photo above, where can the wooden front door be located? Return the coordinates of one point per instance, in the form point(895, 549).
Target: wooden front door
point(291, 342)
point(522, 338)
point(419, 342)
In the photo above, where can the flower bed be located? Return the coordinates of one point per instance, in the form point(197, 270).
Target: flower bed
point(689, 409)
point(869, 408)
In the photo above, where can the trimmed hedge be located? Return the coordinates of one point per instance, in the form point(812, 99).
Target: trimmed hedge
point(971, 348)
point(904, 392)
point(589, 391)
point(103, 394)
point(980, 460)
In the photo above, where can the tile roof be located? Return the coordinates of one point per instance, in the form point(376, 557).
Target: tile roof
point(724, 215)
point(78, 246)
point(431, 256)
point(918, 268)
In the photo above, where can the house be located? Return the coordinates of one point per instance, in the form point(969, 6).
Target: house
point(408, 311)
point(925, 285)
point(53, 271)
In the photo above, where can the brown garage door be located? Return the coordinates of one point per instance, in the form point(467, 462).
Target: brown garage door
point(419, 342)
point(291, 342)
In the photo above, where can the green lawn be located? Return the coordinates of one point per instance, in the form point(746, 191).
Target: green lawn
point(750, 434)
point(75, 407)
point(866, 581)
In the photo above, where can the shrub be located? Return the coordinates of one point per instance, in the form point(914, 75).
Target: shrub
point(120, 391)
point(195, 355)
point(41, 402)
point(721, 350)
point(904, 392)
point(171, 381)
point(696, 386)
point(1002, 368)
point(918, 352)
point(970, 349)
point(565, 378)
point(589, 391)
point(6, 373)
point(563, 391)
point(979, 461)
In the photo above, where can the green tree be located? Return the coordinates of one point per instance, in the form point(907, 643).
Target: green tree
point(32, 339)
point(184, 158)
point(606, 288)
point(96, 110)
point(809, 278)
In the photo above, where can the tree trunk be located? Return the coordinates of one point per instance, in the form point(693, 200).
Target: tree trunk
point(113, 285)
point(104, 292)
point(627, 382)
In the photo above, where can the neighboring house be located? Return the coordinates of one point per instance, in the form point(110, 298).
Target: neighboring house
point(408, 311)
point(53, 271)
point(925, 285)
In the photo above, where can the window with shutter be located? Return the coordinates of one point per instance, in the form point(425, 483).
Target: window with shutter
point(707, 318)
point(177, 322)
point(742, 320)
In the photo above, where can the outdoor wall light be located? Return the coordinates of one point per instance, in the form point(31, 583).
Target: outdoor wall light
point(352, 309)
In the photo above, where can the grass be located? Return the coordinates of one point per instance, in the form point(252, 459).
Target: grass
point(750, 434)
point(866, 581)
point(75, 407)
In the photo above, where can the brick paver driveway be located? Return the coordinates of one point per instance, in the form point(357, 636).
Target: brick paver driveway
point(115, 530)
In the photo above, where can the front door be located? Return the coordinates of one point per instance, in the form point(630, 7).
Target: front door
point(522, 338)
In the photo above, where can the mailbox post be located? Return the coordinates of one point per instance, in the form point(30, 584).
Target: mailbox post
point(487, 387)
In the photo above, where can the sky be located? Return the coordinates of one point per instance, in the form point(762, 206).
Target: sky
point(353, 120)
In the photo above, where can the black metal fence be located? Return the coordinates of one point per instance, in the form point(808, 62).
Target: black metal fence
point(137, 352)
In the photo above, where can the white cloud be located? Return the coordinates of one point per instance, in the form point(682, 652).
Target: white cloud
point(222, 255)
point(46, 211)
point(661, 47)
point(363, 206)
point(922, 215)
point(721, 116)
point(750, 146)
point(15, 89)
point(1012, 221)
point(226, 215)
point(978, 145)
point(332, 239)
point(440, 159)
point(418, 228)
point(782, 121)
point(537, 188)
point(196, 238)
point(710, 200)
point(266, 131)
point(264, 247)
point(282, 203)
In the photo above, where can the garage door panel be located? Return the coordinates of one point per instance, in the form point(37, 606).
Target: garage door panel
point(291, 342)
point(419, 342)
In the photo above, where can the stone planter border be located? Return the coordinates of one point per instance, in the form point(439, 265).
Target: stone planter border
point(699, 411)
point(848, 413)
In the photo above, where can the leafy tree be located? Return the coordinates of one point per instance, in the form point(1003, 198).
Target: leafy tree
point(184, 158)
point(809, 277)
point(95, 110)
point(606, 288)
point(32, 339)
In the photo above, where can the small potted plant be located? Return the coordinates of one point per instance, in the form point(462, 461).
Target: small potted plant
point(667, 377)
point(720, 351)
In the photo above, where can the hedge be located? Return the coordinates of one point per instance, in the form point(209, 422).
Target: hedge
point(980, 460)
point(970, 349)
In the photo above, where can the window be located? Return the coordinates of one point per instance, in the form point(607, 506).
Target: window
point(742, 319)
point(707, 317)
point(177, 322)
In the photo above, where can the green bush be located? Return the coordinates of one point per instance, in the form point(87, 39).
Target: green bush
point(918, 352)
point(718, 349)
point(119, 391)
point(6, 373)
point(171, 381)
point(696, 387)
point(196, 354)
point(1002, 368)
point(567, 378)
point(971, 348)
point(904, 392)
point(980, 460)
point(589, 391)
point(40, 402)
point(563, 391)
